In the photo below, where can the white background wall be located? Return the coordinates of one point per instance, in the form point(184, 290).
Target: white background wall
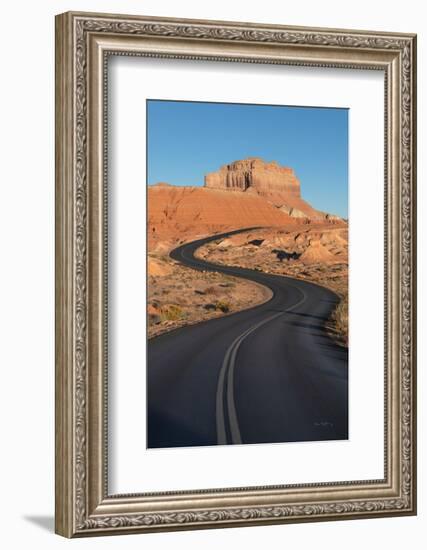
point(27, 273)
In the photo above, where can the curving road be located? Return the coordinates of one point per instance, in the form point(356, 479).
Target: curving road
point(268, 374)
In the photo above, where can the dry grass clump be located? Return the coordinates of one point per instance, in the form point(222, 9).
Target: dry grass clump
point(223, 306)
point(210, 290)
point(339, 320)
point(172, 312)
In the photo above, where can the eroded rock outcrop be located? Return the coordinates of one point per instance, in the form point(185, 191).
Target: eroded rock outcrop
point(278, 184)
point(255, 174)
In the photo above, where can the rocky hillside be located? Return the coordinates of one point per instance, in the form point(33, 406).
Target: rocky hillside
point(183, 213)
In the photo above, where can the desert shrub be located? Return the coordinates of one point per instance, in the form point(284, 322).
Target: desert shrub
point(340, 319)
point(154, 319)
point(210, 290)
point(172, 313)
point(222, 306)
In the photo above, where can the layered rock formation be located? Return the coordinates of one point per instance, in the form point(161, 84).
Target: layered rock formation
point(278, 184)
point(255, 174)
point(176, 213)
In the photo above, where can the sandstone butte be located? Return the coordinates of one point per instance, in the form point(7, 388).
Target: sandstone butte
point(245, 193)
point(278, 184)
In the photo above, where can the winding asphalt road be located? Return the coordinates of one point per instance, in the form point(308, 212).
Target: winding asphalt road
point(268, 374)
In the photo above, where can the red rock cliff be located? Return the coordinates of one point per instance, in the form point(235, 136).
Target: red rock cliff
point(253, 174)
point(278, 184)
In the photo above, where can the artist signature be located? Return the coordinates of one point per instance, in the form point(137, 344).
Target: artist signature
point(324, 424)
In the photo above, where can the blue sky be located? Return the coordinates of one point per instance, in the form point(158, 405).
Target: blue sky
point(186, 140)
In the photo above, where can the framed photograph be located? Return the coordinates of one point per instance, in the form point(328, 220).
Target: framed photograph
point(235, 274)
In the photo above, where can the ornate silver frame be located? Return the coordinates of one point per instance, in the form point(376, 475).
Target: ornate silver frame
point(83, 505)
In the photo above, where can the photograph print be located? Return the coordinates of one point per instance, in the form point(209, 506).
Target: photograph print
point(247, 274)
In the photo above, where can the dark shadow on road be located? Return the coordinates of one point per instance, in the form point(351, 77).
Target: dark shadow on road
point(310, 326)
point(319, 317)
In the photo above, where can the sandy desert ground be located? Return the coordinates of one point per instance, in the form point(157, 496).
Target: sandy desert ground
point(179, 296)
